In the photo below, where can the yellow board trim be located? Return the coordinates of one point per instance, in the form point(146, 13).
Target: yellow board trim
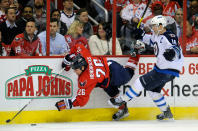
point(99, 114)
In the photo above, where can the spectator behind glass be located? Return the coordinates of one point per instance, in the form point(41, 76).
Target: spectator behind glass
point(27, 43)
point(63, 28)
point(8, 28)
point(109, 6)
point(191, 39)
point(68, 15)
point(4, 4)
point(133, 11)
point(82, 16)
point(58, 45)
point(100, 13)
point(39, 15)
point(15, 4)
point(179, 22)
point(74, 35)
point(4, 49)
point(27, 14)
point(31, 3)
point(193, 13)
point(157, 9)
point(1, 50)
point(170, 7)
point(101, 43)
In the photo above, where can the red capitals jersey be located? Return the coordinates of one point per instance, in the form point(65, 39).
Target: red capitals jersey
point(171, 8)
point(120, 4)
point(96, 72)
point(71, 41)
point(191, 41)
point(23, 47)
point(2, 17)
point(6, 49)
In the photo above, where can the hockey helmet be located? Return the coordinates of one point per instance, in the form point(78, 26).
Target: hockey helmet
point(159, 20)
point(78, 62)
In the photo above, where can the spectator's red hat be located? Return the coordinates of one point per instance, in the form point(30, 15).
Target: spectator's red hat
point(156, 3)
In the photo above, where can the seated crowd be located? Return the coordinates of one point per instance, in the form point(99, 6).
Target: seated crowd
point(23, 27)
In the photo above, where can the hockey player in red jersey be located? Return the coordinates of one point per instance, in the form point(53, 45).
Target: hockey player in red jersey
point(98, 72)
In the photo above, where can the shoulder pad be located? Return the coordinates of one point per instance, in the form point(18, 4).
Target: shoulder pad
point(171, 37)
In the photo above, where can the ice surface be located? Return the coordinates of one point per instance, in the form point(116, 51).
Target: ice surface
point(177, 125)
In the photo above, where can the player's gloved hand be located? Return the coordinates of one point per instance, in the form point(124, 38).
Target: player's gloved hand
point(139, 33)
point(67, 61)
point(169, 54)
point(64, 104)
point(140, 46)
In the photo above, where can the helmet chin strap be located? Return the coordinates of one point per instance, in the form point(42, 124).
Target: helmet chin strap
point(158, 31)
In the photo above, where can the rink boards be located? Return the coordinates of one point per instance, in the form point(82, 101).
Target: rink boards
point(22, 79)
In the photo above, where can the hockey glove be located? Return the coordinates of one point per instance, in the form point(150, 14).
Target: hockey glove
point(140, 46)
point(169, 54)
point(62, 105)
point(139, 33)
point(67, 62)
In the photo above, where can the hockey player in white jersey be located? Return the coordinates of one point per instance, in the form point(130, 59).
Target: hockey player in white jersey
point(169, 64)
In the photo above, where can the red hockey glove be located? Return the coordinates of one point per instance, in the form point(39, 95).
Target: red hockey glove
point(64, 104)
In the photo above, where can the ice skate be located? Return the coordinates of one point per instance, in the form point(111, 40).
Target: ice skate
point(116, 102)
point(165, 115)
point(122, 113)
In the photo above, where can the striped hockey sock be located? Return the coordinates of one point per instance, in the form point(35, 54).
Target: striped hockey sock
point(159, 100)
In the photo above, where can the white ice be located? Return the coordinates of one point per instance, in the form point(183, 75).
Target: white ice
point(177, 125)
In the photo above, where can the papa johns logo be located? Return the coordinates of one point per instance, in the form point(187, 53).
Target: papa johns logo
point(34, 84)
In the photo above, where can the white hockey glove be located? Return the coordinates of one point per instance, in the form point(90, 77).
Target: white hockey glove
point(64, 104)
point(140, 46)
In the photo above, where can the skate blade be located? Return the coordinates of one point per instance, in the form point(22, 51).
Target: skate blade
point(124, 116)
point(167, 120)
point(114, 106)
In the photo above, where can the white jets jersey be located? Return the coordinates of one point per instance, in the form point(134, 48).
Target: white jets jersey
point(134, 11)
point(168, 40)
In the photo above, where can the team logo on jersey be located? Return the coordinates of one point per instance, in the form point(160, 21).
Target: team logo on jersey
point(38, 81)
point(82, 84)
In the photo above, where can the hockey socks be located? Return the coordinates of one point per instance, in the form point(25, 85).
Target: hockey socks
point(132, 62)
point(159, 100)
point(133, 91)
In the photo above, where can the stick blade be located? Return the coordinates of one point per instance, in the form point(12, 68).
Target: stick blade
point(7, 121)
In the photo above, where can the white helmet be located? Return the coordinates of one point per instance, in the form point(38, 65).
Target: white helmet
point(159, 20)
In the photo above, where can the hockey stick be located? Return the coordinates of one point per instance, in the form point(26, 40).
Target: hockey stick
point(143, 13)
point(9, 120)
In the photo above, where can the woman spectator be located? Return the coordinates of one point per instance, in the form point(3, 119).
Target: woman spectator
point(74, 35)
point(101, 43)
